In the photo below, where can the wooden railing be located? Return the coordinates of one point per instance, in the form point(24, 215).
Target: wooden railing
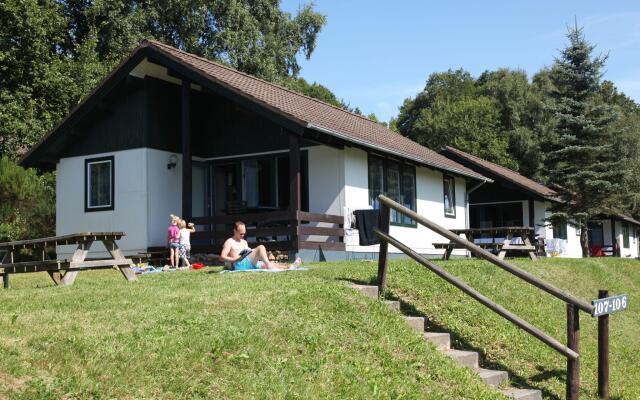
point(276, 230)
point(573, 304)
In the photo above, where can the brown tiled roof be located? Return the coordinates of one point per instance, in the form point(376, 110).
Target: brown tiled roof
point(484, 166)
point(314, 114)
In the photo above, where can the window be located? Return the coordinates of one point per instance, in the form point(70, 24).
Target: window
point(449, 185)
point(560, 230)
point(99, 184)
point(259, 179)
point(396, 181)
point(625, 235)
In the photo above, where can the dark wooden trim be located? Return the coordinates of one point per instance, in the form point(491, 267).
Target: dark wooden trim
point(186, 149)
point(384, 251)
point(222, 89)
point(532, 217)
point(88, 161)
point(247, 218)
point(329, 246)
point(315, 217)
point(615, 248)
point(256, 232)
point(320, 231)
point(294, 173)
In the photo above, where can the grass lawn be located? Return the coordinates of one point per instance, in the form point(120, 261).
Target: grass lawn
point(529, 361)
point(196, 334)
point(301, 334)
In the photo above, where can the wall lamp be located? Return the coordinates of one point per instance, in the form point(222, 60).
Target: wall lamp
point(173, 161)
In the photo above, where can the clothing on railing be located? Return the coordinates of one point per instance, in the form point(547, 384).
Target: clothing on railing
point(366, 220)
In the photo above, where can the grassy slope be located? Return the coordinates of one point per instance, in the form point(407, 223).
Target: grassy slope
point(529, 361)
point(199, 335)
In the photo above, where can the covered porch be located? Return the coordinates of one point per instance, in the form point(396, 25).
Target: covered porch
point(236, 165)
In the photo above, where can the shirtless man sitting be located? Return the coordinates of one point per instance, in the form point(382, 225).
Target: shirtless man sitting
point(257, 259)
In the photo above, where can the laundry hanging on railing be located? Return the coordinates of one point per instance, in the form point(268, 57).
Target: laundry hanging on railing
point(366, 220)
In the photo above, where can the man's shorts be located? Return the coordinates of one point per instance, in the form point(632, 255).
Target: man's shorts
point(245, 264)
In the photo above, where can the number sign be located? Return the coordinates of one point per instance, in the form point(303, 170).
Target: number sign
point(610, 305)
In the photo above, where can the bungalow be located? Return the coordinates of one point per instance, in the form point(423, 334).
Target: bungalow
point(515, 200)
point(171, 132)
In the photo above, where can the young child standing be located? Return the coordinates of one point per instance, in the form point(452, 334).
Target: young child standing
point(173, 240)
point(185, 241)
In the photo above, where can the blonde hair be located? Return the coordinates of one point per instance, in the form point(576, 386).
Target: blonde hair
point(174, 218)
point(182, 224)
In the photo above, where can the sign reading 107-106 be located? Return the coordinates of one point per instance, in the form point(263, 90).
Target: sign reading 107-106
point(610, 305)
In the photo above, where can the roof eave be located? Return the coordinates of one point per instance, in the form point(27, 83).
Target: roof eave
point(373, 146)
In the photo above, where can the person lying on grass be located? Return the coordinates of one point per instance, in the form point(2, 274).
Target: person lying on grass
point(237, 251)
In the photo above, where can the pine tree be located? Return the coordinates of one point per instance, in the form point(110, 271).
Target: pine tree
point(583, 161)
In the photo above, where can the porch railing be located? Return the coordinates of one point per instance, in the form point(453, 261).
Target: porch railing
point(276, 230)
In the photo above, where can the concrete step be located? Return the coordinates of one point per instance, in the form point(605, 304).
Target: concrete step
point(368, 290)
point(416, 323)
point(464, 358)
point(522, 394)
point(492, 377)
point(393, 304)
point(441, 340)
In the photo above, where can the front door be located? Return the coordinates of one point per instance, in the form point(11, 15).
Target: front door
point(226, 186)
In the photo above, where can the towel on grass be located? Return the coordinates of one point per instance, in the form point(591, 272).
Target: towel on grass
point(265, 270)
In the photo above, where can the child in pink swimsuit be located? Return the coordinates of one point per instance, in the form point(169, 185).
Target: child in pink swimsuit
point(173, 241)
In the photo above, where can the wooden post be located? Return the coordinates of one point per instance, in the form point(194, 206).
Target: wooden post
point(295, 204)
point(186, 150)
point(614, 239)
point(384, 250)
point(603, 351)
point(5, 275)
point(573, 342)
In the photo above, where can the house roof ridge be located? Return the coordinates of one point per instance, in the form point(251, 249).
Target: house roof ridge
point(157, 43)
point(552, 193)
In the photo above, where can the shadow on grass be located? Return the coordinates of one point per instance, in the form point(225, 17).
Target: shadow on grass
point(461, 343)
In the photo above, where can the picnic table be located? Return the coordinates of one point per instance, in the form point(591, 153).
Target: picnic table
point(64, 272)
point(507, 234)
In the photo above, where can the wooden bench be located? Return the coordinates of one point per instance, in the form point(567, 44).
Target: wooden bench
point(64, 272)
point(449, 247)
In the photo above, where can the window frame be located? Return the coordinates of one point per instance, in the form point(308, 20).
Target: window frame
point(402, 167)
point(452, 179)
point(626, 233)
point(560, 225)
point(87, 185)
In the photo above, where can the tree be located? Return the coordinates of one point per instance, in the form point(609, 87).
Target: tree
point(53, 52)
point(584, 162)
point(27, 202)
point(451, 110)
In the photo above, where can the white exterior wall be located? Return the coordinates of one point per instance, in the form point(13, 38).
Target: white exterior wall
point(429, 202)
point(632, 250)
point(130, 202)
point(165, 194)
point(326, 180)
point(572, 248)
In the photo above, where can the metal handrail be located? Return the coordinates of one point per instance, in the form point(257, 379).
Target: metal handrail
point(482, 253)
point(524, 325)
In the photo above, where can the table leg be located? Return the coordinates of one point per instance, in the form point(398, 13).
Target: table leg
point(78, 256)
point(117, 255)
point(5, 274)
point(532, 254)
point(503, 253)
point(55, 276)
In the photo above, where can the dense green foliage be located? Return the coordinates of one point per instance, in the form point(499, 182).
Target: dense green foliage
point(53, 52)
point(534, 126)
point(199, 335)
point(585, 161)
point(27, 203)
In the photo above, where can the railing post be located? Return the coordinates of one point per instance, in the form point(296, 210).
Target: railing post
point(603, 351)
point(573, 342)
point(384, 250)
point(5, 279)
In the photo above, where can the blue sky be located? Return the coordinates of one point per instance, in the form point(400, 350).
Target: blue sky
point(374, 54)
